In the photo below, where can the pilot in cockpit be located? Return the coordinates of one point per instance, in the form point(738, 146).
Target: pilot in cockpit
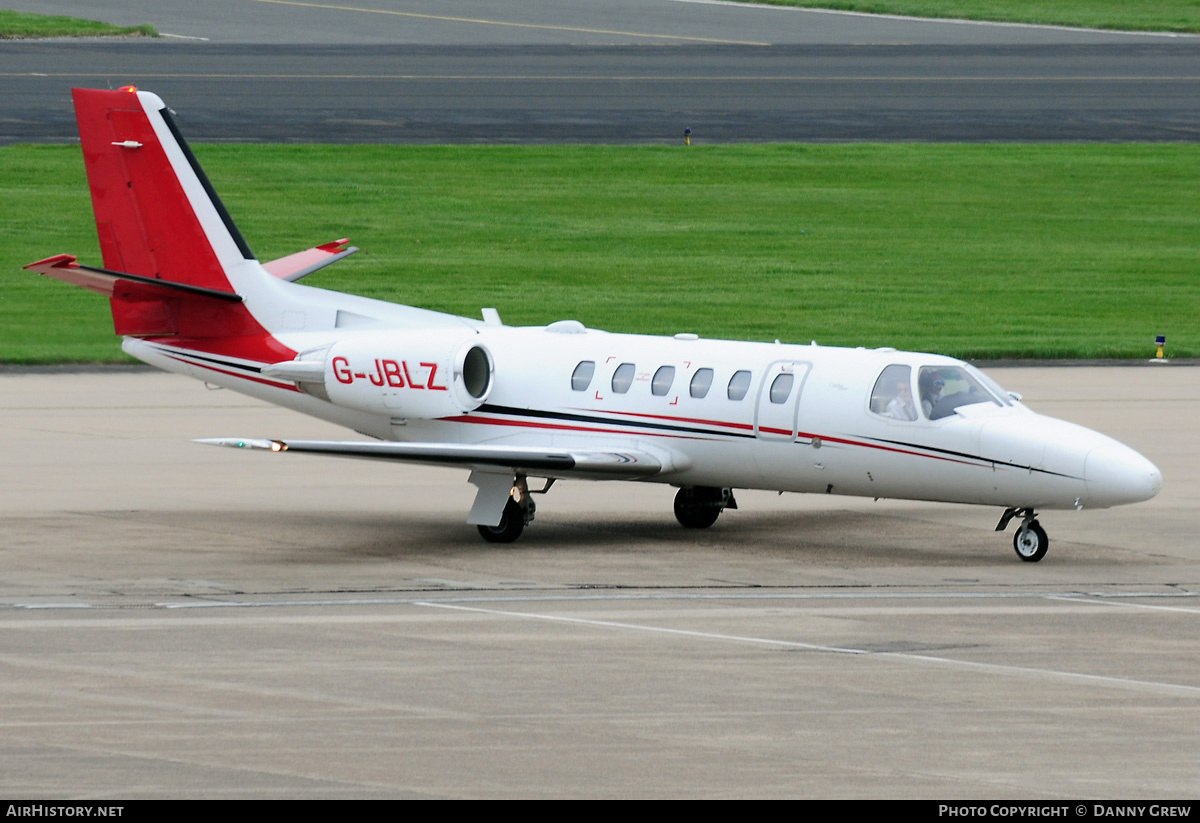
point(932, 385)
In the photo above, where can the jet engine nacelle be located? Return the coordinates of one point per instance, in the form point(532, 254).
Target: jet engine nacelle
point(417, 374)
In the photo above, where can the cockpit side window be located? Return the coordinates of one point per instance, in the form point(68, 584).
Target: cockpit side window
point(892, 396)
point(945, 388)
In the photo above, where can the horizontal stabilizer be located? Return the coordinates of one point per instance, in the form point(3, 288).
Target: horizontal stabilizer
point(552, 462)
point(303, 263)
point(120, 285)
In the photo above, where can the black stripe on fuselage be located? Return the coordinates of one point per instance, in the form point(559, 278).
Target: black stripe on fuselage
point(953, 453)
point(510, 411)
point(229, 364)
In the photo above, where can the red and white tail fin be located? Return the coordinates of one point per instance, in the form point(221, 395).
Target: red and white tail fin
point(156, 213)
point(176, 269)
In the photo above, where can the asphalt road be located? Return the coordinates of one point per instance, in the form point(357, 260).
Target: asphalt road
point(179, 621)
point(635, 71)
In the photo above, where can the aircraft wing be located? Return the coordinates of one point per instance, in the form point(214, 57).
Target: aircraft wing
point(609, 464)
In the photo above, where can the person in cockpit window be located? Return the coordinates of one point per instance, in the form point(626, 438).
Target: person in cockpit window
point(901, 407)
point(932, 385)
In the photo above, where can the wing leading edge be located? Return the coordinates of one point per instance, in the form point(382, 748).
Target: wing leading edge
point(613, 464)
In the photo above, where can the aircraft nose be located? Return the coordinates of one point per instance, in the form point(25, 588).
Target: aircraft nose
point(1116, 474)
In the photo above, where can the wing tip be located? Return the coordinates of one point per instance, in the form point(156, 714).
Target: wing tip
point(58, 261)
point(244, 443)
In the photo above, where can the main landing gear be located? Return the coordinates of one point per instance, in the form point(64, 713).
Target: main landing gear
point(518, 512)
point(1030, 541)
point(512, 524)
point(698, 507)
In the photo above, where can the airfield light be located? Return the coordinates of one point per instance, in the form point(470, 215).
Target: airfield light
point(687, 137)
point(1159, 342)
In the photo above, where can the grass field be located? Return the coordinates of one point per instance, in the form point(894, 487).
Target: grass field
point(18, 25)
point(1160, 15)
point(978, 251)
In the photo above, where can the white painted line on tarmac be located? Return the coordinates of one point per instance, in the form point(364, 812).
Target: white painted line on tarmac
point(995, 668)
point(1109, 602)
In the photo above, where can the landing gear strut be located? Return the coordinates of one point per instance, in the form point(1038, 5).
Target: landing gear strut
point(698, 507)
point(1030, 541)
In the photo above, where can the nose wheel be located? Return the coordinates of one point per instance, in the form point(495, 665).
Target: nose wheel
point(1031, 541)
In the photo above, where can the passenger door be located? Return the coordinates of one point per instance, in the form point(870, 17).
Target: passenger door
point(775, 414)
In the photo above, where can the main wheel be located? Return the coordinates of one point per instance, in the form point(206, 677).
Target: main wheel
point(693, 512)
point(1031, 542)
point(512, 523)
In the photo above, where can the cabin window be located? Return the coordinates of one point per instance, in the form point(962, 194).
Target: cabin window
point(663, 378)
point(701, 383)
point(892, 396)
point(946, 388)
point(739, 384)
point(623, 378)
point(581, 378)
point(781, 387)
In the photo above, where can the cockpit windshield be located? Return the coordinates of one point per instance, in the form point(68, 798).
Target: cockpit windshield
point(944, 389)
point(991, 385)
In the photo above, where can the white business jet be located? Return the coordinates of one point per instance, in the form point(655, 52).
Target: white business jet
point(560, 401)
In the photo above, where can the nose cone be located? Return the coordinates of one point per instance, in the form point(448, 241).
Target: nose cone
point(1116, 474)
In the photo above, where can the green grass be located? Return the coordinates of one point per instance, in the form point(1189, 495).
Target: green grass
point(1160, 15)
point(17, 25)
point(980, 251)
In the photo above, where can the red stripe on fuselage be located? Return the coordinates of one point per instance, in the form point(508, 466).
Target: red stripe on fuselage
point(694, 420)
point(808, 435)
point(491, 421)
point(262, 380)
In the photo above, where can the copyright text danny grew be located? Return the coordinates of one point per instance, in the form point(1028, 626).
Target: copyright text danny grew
point(1076, 810)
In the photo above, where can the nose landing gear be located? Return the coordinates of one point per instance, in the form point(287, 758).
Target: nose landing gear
point(1030, 541)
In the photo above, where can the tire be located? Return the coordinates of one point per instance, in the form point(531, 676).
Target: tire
point(512, 523)
point(694, 513)
point(1031, 542)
